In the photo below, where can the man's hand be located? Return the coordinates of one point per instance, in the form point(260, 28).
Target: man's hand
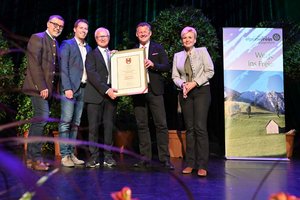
point(69, 94)
point(44, 94)
point(113, 52)
point(112, 93)
point(148, 63)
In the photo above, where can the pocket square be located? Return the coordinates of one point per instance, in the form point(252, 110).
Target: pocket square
point(154, 54)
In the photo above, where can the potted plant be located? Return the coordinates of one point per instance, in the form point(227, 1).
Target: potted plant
point(126, 129)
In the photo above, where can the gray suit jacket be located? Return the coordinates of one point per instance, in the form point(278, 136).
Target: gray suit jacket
point(201, 63)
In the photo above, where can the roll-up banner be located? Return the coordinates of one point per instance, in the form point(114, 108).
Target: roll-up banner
point(254, 105)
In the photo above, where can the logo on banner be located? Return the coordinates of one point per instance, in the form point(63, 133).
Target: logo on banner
point(276, 37)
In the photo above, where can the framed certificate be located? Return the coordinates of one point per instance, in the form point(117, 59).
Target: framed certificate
point(128, 73)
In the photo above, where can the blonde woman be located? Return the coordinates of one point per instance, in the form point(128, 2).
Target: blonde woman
point(192, 70)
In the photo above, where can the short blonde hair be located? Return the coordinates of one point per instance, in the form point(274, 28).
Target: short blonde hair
point(188, 29)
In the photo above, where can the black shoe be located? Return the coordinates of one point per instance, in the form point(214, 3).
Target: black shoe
point(142, 164)
point(168, 165)
point(109, 162)
point(92, 164)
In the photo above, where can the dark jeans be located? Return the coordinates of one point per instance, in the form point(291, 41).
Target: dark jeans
point(195, 109)
point(156, 106)
point(40, 115)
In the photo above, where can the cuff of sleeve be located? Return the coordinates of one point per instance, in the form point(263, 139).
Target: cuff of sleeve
point(181, 86)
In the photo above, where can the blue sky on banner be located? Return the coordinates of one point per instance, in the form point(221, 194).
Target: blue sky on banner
point(253, 59)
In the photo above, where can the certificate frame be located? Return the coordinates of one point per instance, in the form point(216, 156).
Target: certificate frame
point(128, 73)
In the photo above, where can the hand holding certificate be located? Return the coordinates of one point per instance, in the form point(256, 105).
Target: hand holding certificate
point(128, 73)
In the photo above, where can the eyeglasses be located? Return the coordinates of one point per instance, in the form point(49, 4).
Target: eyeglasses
point(102, 36)
point(57, 25)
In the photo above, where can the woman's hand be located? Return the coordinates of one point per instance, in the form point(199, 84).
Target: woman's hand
point(187, 87)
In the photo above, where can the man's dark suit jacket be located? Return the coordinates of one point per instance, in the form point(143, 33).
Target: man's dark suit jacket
point(40, 68)
point(71, 65)
point(97, 77)
point(159, 57)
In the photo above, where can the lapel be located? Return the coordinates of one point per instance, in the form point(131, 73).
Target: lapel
point(87, 48)
point(49, 42)
point(100, 58)
point(152, 49)
point(49, 46)
point(181, 58)
point(74, 43)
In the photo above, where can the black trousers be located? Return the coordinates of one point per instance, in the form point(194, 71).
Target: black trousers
point(155, 103)
point(103, 113)
point(195, 110)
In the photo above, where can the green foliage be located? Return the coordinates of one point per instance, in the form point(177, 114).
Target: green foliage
point(125, 105)
point(169, 24)
point(292, 61)
point(24, 112)
point(24, 109)
point(6, 77)
point(291, 46)
point(125, 116)
point(127, 43)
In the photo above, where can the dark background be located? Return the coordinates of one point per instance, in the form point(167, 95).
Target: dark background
point(20, 18)
point(24, 17)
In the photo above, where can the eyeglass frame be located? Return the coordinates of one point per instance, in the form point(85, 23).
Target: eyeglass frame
point(102, 36)
point(56, 25)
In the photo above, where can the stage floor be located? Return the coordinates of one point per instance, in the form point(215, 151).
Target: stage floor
point(227, 179)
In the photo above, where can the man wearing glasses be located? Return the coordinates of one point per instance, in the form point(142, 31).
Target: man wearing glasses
point(41, 82)
point(100, 99)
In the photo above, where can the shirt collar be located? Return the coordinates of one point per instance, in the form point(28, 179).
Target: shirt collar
point(79, 42)
point(50, 35)
point(191, 52)
point(102, 49)
point(146, 45)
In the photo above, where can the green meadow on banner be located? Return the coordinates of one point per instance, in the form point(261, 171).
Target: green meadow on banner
point(254, 94)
